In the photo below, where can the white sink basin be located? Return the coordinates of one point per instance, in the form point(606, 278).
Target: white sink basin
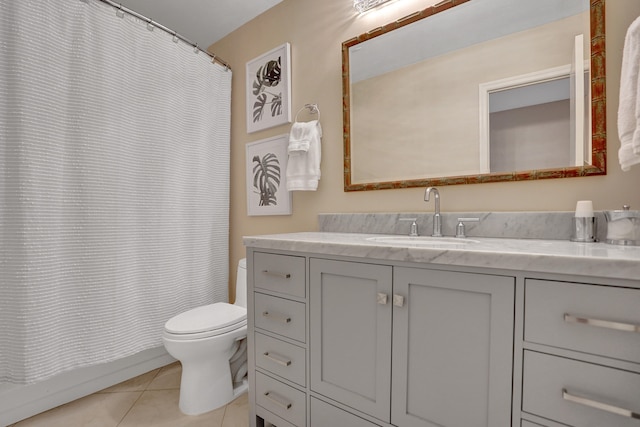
point(422, 240)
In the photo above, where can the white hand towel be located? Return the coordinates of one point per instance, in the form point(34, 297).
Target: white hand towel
point(629, 108)
point(303, 167)
point(301, 135)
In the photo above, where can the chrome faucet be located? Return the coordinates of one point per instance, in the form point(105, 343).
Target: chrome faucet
point(437, 224)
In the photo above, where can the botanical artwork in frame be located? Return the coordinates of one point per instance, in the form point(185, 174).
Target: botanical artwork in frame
point(267, 177)
point(269, 89)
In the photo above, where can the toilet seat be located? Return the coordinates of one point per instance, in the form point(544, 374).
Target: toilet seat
point(206, 321)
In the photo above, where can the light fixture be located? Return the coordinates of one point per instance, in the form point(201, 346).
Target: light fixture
point(363, 5)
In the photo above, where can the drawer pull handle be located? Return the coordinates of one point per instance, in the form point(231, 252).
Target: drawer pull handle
point(278, 400)
point(277, 359)
point(277, 274)
point(599, 405)
point(627, 327)
point(277, 317)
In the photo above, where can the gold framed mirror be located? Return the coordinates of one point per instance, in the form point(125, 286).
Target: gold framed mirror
point(533, 95)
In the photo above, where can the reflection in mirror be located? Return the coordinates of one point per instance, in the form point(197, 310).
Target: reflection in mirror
point(538, 122)
point(527, 132)
point(476, 91)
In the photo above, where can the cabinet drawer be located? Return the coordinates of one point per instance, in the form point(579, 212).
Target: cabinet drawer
point(578, 393)
point(586, 318)
point(270, 419)
point(284, 274)
point(281, 358)
point(325, 415)
point(281, 316)
point(281, 399)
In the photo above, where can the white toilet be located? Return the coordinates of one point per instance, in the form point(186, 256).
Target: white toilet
point(209, 342)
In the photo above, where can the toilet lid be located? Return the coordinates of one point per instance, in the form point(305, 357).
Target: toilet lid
point(206, 318)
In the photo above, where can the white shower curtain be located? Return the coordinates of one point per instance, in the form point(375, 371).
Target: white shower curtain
point(114, 185)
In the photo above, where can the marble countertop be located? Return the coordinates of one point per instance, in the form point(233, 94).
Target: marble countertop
point(544, 256)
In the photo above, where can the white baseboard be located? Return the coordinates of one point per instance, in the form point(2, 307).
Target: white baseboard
point(20, 402)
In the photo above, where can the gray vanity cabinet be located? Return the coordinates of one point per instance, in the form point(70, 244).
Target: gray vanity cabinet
point(449, 335)
point(350, 334)
point(452, 348)
point(343, 333)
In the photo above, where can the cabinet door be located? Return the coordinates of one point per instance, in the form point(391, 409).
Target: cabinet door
point(452, 349)
point(350, 327)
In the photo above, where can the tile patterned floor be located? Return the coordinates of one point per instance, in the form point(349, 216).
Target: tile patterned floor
point(148, 400)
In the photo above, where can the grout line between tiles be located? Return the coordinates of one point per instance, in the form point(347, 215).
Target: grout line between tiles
point(130, 408)
point(224, 415)
point(146, 387)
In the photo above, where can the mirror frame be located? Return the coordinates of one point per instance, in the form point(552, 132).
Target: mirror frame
point(598, 111)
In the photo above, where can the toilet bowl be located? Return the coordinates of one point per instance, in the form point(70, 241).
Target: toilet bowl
point(210, 342)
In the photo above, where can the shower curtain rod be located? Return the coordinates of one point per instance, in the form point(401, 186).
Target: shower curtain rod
point(119, 6)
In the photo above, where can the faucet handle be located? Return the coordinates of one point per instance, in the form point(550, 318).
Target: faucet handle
point(460, 232)
point(414, 225)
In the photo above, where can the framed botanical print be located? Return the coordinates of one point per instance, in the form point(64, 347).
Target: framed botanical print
point(266, 177)
point(268, 89)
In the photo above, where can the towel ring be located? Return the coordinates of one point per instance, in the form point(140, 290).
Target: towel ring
point(313, 109)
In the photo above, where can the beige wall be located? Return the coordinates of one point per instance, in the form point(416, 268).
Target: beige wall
point(316, 30)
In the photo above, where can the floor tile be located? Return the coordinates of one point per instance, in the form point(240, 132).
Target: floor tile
point(96, 410)
point(237, 412)
point(159, 408)
point(168, 378)
point(149, 400)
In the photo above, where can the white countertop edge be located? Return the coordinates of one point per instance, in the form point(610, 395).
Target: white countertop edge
point(543, 256)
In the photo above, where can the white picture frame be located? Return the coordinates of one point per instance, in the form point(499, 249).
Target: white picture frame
point(268, 89)
point(266, 170)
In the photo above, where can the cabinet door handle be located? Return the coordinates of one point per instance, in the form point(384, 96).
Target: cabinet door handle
point(278, 400)
point(382, 298)
point(277, 274)
point(599, 405)
point(398, 300)
point(277, 359)
point(618, 326)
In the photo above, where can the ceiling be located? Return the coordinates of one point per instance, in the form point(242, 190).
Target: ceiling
point(203, 22)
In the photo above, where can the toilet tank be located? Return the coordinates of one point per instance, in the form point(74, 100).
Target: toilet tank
point(241, 284)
